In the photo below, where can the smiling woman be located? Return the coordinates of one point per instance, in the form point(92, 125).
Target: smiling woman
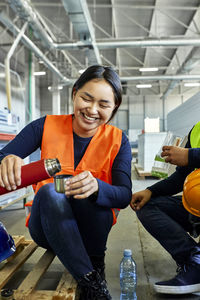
point(76, 224)
point(98, 73)
point(90, 107)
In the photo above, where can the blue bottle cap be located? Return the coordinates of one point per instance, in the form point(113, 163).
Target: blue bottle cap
point(127, 252)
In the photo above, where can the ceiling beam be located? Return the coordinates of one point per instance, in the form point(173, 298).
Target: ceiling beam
point(127, 43)
point(176, 20)
point(28, 13)
point(146, 62)
point(192, 61)
point(145, 7)
point(114, 22)
point(29, 44)
point(161, 77)
point(120, 6)
point(189, 62)
point(80, 17)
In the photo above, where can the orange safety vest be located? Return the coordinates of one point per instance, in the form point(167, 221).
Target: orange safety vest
point(57, 142)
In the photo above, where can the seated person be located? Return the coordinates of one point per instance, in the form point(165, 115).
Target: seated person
point(165, 218)
point(75, 225)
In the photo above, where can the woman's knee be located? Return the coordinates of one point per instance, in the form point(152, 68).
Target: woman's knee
point(54, 205)
point(45, 191)
point(49, 198)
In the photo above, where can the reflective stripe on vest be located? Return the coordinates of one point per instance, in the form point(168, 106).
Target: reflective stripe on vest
point(57, 142)
point(195, 136)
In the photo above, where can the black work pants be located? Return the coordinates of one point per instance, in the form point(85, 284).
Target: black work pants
point(168, 222)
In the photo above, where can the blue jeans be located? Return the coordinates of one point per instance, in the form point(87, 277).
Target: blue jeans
point(168, 222)
point(73, 229)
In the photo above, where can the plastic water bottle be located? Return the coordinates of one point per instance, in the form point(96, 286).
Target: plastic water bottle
point(128, 277)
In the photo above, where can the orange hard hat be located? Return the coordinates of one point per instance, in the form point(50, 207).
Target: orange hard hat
point(191, 193)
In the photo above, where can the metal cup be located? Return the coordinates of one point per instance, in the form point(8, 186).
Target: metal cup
point(59, 182)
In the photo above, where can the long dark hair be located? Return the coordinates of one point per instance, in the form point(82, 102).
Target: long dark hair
point(101, 72)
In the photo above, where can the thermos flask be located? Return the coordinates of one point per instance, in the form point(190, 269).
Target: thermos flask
point(35, 172)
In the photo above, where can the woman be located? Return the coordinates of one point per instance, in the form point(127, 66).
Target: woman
point(75, 225)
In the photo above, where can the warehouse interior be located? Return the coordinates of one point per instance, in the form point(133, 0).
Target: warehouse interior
point(154, 47)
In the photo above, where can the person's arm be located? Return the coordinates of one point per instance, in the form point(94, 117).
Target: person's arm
point(26, 142)
point(11, 156)
point(186, 159)
point(174, 183)
point(194, 158)
point(171, 185)
point(118, 195)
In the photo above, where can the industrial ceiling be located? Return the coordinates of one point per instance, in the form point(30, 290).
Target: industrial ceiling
point(69, 35)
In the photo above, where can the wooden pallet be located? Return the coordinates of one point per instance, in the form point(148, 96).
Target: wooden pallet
point(140, 172)
point(66, 288)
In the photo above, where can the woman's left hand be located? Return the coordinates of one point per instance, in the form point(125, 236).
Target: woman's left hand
point(81, 186)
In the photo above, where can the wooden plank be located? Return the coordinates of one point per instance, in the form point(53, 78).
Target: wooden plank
point(140, 172)
point(26, 242)
point(37, 295)
point(66, 288)
point(18, 239)
point(16, 200)
point(32, 279)
point(12, 266)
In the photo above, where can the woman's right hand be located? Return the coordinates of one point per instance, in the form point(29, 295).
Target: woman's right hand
point(139, 199)
point(10, 172)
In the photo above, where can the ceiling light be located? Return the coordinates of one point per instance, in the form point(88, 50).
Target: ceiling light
point(190, 84)
point(143, 86)
point(59, 87)
point(39, 73)
point(148, 69)
point(81, 71)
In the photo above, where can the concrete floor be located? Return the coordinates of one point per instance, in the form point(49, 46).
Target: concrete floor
point(153, 263)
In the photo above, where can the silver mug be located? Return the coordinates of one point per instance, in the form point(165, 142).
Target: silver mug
point(60, 181)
